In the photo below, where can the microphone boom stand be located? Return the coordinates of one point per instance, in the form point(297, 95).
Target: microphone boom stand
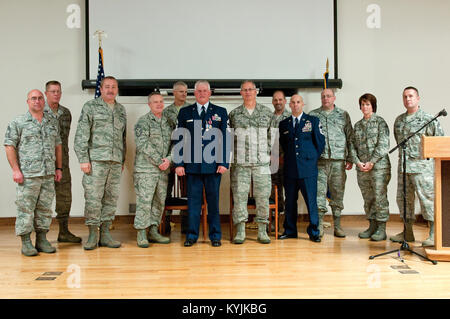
point(404, 244)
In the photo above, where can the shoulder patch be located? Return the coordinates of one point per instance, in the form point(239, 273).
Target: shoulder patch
point(138, 130)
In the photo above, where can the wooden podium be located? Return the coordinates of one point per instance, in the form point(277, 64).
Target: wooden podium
point(438, 147)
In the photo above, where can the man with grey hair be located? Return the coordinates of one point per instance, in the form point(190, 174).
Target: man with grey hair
point(202, 133)
point(251, 122)
point(100, 145)
point(33, 145)
point(151, 166)
point(180, 90)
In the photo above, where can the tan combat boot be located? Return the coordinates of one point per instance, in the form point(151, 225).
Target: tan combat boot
point(92, 239)
point(42, 244)
point(27, 246)
point(338, 231)
point(430, 240)
point(380, 233)
point(369, 231)
point(142, 238)
point(155, 237)
point(263, 238)
point(105, 237)
point(409, 235)
point(240, 233)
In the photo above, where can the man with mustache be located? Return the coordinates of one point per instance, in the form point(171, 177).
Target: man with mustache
point(100, 145)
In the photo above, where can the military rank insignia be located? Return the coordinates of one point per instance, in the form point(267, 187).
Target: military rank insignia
point(138, 131)
point(307, 127)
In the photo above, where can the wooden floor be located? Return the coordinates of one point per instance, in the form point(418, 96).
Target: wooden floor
point(294, 268)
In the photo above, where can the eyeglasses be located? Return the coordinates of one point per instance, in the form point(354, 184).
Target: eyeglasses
point(248, 90)
point(36, 98)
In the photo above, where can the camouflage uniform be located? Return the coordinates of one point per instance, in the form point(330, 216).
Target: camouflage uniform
point(337, 129)
point(251, 161)
point(101, 140)
point(171, 113)
point(277, 177)
point(63, 188)
point(152, 136)
point(35, 148)
point(419, 172)
point(371, 144)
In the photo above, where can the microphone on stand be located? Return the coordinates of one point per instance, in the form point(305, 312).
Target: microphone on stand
point(442, 113)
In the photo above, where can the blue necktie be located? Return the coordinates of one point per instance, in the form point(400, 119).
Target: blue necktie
point(296, 126)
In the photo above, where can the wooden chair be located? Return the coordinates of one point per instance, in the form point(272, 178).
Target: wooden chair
point(251, 204)
point(179, 202)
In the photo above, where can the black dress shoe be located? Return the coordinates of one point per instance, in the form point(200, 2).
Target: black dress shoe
point(189, 242)
point(286, 236)
point(216, 243)
point(315, 239)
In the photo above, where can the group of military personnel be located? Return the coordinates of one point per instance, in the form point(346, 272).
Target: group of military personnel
point(315, 150)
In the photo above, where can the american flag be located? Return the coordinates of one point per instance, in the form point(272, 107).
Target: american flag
point(101, 73)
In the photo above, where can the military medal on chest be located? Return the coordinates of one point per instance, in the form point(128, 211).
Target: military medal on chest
point(208, 124)
point(307, 127)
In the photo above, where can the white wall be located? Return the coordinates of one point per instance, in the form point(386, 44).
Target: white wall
point(410, 48)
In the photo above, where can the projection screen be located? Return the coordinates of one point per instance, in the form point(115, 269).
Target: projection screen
point(209, 39)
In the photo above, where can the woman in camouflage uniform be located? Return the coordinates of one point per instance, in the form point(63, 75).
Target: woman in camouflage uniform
point(371, 146)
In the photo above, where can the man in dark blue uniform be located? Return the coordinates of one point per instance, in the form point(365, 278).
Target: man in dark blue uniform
point(302, 142)
point(202, 154)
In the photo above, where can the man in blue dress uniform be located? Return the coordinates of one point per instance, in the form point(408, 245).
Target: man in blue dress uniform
point(200, 152)
point(302, 142)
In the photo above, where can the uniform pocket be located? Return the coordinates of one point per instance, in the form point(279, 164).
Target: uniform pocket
point(119, 122)
point(51, 132)
point(30, 165)
point(30, 145)
point(101, 120)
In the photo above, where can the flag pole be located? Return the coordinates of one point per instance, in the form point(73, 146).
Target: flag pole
point(325, 77)
point(100, 73)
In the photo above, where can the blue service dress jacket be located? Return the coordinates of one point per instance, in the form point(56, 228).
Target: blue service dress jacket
point(205, 147)
point(301, 147)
